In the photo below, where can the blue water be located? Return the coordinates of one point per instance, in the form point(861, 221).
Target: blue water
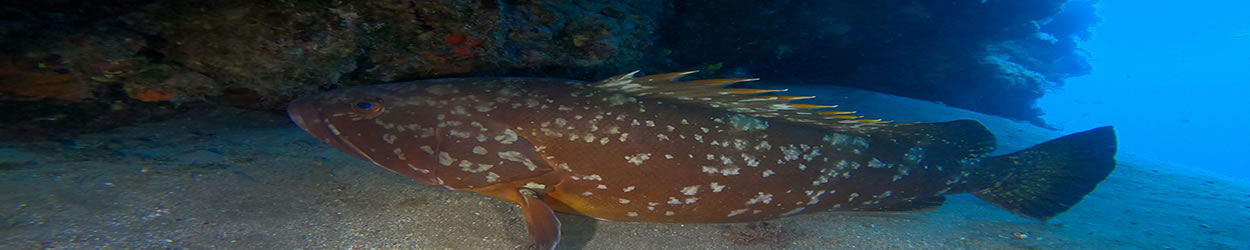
point(1172, 77)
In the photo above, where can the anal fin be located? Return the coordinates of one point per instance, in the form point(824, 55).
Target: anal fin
point(543, 225)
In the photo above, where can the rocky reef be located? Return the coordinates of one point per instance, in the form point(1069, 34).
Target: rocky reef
point(72, 65)
point(993, 57)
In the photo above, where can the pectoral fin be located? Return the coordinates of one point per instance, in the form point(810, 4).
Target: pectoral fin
point(543, 225)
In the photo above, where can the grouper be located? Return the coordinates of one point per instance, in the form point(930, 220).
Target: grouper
point(655, 149)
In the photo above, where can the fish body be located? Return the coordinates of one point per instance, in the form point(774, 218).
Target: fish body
point(654, 149)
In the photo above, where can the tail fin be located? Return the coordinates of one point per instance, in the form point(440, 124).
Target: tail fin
point(1049, 178)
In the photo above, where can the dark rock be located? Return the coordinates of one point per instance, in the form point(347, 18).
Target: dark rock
point(986, 56)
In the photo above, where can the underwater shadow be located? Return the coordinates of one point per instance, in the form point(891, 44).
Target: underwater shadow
point(576, 231)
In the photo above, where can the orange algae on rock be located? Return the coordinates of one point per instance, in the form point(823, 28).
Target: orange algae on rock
point(462, 51)
point(62, 87)
point(456, 38)
point(152, 95)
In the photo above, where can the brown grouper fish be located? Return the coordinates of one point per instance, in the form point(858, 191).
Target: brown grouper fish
point(655, 149)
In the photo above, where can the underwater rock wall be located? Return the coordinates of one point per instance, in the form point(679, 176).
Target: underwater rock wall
point(100, 64)
point(990, 56)
point(76, 64)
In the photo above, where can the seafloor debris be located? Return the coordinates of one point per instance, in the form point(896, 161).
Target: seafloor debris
point(1020, 235)
point(759, 233)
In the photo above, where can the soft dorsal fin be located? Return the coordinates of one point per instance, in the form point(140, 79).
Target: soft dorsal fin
point(711, 92)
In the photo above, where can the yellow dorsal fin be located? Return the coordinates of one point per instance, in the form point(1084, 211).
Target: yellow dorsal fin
point(711, 92)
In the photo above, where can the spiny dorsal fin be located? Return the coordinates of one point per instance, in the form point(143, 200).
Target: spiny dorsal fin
point(711, 92)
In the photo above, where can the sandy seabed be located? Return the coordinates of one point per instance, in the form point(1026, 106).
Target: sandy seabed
point(249, 180)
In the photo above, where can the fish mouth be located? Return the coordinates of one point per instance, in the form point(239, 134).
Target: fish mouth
point(304, 113)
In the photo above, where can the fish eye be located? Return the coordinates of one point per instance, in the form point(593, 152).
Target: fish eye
point(370, 106)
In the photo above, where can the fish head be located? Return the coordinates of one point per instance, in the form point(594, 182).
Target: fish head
point(440, 132)
point(369, 123)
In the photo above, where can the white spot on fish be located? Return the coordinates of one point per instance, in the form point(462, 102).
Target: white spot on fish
point(810, 154)
point(914, 155)
point(479, 169)
point(740, 144)
point(768, 172)
point(479, 150)
point(628, 189)
point(763, 146)
point(483, 108)
point(691, 190)
point(742, 122)
point(737, 212)
point(517, 157)
point(813, 198)
point(461, 134)
point(399, 153)
point(885, 194)
point(860, 142)
point(535, 186)
point(508, 137)
point(638, 158)
point(717, 187)
point(761, 197)
point(750, 160)
point(624, 201)
point(632, 214)
point(875, 163)
point(445, 159)
point(791, 152)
